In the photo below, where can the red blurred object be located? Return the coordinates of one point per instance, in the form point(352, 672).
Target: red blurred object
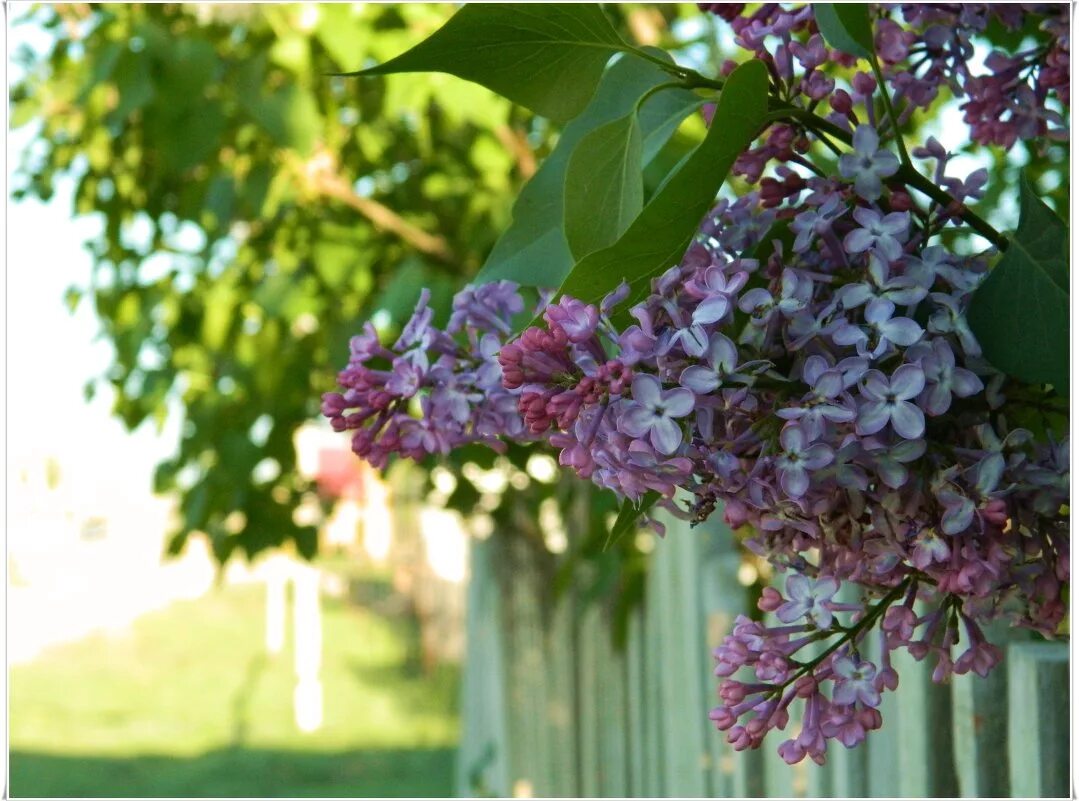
point(340, 474)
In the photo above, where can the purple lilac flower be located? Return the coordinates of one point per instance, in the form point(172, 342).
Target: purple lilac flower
point(855, 682)
point(868, 164)
point(883, 233)
point(816, 221)
point(819, 405)
point(943, 378)
point(721, 358)
point(888, 401)
point(654, 411)
point(797, 458)
point(882, 330)
point(809, 598)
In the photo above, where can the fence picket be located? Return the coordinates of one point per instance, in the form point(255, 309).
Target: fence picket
point(482, 759)
point(551, 708)
point(980, 722)
point(1038, 740)
point(613, 719)
point(882, 767)
point(721, 598)
point(654, 773)
point(589, 631)
point(924, 729)
point(635, 698)
point(560, 661)
point(683, 711)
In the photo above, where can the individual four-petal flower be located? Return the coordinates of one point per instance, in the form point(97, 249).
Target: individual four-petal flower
point(868, 164)
point(888, 401)
point(653, 412)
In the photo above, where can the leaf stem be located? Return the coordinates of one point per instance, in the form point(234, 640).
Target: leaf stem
point(903, 156)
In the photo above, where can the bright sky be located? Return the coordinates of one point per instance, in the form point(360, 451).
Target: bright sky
point(52, 353)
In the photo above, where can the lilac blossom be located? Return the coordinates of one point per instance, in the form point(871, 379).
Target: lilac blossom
point(888, 401)
point(855, 682)
point(809, 598)
point(883, 233)
point(790, 390)
point(654, 411)
point(943, 378)
point(868, 164)
point(797, 458)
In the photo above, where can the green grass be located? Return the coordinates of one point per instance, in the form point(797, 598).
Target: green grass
point(189, 704)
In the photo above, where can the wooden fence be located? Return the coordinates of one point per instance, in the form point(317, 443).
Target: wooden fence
point(551, 708)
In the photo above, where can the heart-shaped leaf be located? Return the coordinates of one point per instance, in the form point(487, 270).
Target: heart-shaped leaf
point(659, 236)
point(533, 251)
point(548, 58)
point(604, 189)
point(1020, 312)
point(846, 27)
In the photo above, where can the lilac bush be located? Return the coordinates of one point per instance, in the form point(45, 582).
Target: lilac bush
point(808, 369)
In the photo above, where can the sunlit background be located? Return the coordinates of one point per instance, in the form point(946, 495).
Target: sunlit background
point(137, 675)
point(247, 213)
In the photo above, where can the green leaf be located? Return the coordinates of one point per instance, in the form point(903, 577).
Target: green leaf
point(658, 238)
point(533, 251)
point(846, 27)
point(290, 116)
point(629, 514)
point(604, 189)
point(547, 58)
point(1020, 312)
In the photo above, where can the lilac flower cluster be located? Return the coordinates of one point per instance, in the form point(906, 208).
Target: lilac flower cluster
point(833, 400)
point(774, 679)
point(922, 47)
point(435, 389)
point(808, 368)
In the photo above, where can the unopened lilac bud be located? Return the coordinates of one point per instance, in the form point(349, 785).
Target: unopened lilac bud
point(841, 102)
point(770, 600)
point(864, 84)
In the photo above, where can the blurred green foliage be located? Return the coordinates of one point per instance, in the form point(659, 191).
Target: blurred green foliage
point(256, 209)
point(254, 212)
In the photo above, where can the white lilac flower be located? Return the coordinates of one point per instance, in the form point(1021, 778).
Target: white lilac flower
point(888, 401)
point(868, 164)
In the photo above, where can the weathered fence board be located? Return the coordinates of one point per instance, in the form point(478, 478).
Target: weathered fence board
point(483, 758)
point(550, 707)
point(1038, 743)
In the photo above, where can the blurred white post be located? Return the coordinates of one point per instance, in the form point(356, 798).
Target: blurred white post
point(307, 633)
point(276, 579)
